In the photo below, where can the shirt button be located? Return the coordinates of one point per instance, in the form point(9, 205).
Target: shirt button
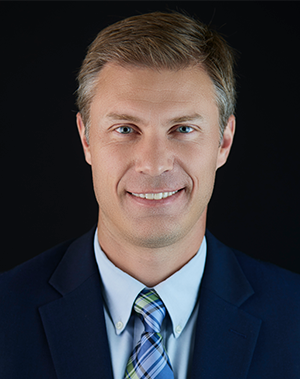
point(178, 329)
point(119, 325)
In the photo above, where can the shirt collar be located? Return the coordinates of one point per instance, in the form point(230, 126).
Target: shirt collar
point(180, 291)
point(120, 289)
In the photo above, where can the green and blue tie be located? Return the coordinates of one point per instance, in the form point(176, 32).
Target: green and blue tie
point(149, 358)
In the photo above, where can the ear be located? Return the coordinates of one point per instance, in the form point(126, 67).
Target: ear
point(82, 134)
point(226, 142)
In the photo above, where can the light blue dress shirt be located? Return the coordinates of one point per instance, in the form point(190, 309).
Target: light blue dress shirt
point(179, 293)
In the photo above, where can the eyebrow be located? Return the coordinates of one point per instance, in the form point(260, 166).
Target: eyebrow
point(176, 120)
point(193, 117)
point(123, 117)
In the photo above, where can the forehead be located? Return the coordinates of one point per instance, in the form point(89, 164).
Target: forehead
point(132, 89)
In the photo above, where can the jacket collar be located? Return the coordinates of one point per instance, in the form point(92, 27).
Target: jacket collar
point(74, 323)
point(223, 274)
point(77, 265)
point(226, 335)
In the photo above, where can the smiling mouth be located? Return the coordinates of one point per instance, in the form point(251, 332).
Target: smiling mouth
point(154, 196)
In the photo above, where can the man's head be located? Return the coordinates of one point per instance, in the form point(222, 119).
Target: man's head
point(153, 137)
point(162, 41)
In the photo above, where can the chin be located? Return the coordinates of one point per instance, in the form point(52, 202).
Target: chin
point(155, 239)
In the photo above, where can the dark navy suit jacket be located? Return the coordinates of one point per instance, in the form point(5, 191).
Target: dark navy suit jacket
point(52, 322)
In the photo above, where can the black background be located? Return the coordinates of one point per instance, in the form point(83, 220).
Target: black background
point(47, 194)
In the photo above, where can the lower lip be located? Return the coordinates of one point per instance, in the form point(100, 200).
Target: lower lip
point(156, 203)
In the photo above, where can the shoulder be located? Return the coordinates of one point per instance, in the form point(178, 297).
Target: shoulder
point(29, 279)
point(271, 295)
point(269, 277)
point(24, 291)
point(276, 291)
point(259, 273)
point(276, 302)
point(29, 282)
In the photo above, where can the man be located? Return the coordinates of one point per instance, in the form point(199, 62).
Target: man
point(149, 292)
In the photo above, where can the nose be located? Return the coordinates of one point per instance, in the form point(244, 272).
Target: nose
point(153, 156)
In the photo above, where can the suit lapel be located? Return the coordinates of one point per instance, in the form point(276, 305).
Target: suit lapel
point(225, 334)
point(74, 324)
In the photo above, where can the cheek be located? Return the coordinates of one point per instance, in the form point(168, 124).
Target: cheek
point(108, 166)
point(201, 163)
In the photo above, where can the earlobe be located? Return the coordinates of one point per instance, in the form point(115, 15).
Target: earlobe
point(227, 141)
point(82, 134)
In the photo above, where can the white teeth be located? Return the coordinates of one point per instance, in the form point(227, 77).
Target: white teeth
point(154, 196)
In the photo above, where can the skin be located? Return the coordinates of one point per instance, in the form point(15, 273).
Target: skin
point(153, 131)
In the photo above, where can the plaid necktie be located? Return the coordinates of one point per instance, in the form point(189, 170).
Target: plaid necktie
point(149, 358)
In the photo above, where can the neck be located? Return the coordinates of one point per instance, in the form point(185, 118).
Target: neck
point(151, 266)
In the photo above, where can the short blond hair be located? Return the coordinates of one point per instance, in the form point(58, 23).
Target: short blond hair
point(160, 40)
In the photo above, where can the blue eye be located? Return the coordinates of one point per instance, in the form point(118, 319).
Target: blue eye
point(185, 129)
point(124, 130)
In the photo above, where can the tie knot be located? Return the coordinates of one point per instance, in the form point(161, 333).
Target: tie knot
point(150, 309)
